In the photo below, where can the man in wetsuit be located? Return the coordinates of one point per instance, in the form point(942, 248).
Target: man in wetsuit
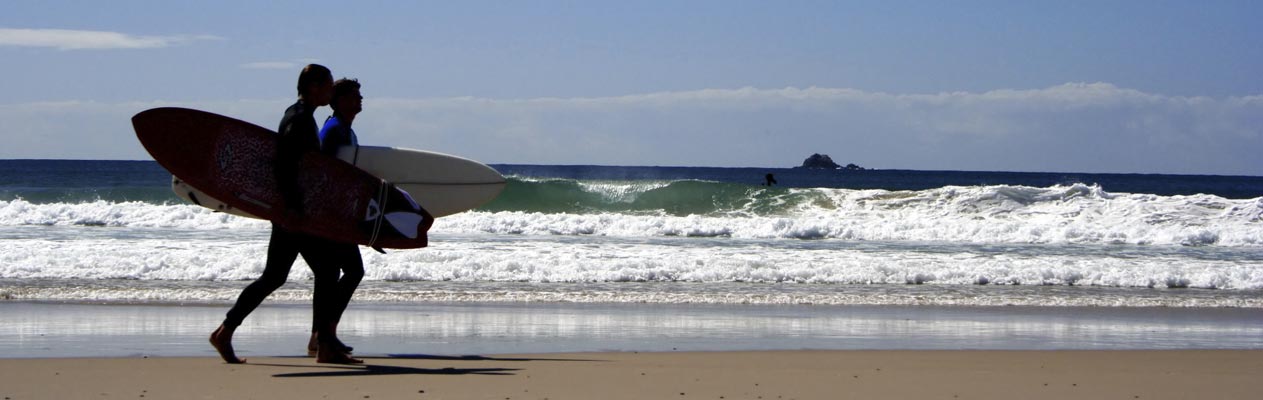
point(297, 135)
point(346, 103)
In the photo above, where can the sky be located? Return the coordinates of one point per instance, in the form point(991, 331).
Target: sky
point(1059, 86)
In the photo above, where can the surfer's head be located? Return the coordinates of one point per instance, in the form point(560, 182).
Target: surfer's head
point(346, 100)
point(315, 84)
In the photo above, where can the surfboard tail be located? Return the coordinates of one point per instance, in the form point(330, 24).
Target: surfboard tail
point(394, 215)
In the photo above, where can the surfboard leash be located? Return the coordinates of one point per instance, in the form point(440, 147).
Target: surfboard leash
point(381, 214)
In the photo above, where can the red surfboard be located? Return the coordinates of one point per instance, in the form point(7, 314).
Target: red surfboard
point(232, 160)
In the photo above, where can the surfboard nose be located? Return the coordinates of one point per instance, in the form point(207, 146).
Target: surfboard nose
point(148, 121)
point(158, 128)
point(147, 125)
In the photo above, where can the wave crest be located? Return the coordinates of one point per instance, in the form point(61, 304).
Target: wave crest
point(971, 214)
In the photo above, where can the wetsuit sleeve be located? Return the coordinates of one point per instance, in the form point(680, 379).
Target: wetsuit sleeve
point(287, 169)
point(294, 133)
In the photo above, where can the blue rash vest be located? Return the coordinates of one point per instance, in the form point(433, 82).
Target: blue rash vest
point(336, 133)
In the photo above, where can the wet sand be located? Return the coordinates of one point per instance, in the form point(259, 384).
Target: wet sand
point(1173, 374)
point(630, 351)
point(52, 330)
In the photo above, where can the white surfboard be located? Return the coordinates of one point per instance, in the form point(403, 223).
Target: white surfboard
point(191, 194)
point(441, 183)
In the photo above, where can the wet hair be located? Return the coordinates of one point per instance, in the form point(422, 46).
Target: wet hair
point(312, 73)
point(343, 87)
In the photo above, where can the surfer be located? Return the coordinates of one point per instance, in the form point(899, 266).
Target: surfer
point(297, 135)
point(346, 103)
point(770, 180)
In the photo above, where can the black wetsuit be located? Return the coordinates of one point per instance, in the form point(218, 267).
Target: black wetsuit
point(298, 135)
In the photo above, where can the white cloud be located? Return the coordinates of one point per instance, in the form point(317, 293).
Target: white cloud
point(66, 39)
point(1068, 128)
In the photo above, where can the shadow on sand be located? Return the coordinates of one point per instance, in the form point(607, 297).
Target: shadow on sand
point(471, 358)
point(368, 369)
point(373, 370)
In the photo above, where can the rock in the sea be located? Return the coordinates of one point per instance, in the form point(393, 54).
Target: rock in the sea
point(820, 161)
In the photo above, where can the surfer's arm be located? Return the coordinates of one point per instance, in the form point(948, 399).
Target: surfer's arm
point(287, 155)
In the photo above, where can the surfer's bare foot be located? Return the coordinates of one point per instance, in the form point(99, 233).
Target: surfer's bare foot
point(332, 354)
point(313, 346)
point(221, 339)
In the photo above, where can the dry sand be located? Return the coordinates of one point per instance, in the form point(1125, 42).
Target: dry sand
point(1191, 374)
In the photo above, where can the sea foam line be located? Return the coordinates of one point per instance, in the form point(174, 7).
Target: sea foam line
point(548, 261)
point(1075, 214)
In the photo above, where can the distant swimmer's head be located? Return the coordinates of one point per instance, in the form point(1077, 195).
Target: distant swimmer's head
point(315, 85)
point(347, 100)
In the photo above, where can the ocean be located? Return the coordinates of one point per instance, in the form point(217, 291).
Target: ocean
point(112, 231)
point(99, 258)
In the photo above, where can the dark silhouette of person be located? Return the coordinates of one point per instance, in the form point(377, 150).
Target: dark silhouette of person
point(346, 103)
point(297, 135)
point(769, 180)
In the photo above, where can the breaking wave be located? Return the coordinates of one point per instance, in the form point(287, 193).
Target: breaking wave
point(1075, 214)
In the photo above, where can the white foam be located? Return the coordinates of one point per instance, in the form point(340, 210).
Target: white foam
point(124, 214)
point(471, 259)
point(993, 214)
point(1076, 214)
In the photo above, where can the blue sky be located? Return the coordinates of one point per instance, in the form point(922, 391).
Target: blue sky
point(1077, 86)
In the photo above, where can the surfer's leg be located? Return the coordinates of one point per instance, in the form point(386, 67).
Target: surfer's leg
point(347, 258)
point(324, 273)
point(282, 251)
point(281, 255)
point(352, 267)
point(323, 260)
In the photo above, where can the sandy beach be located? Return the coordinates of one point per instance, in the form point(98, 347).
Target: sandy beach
point(519, 351)
point(1175, 374)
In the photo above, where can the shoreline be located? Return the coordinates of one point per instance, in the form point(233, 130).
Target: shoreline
point(60, 330)
point(816, 374)
point(384, 292)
